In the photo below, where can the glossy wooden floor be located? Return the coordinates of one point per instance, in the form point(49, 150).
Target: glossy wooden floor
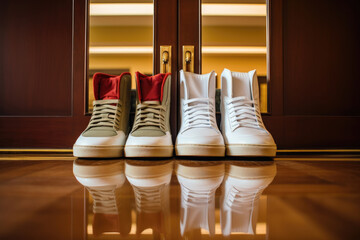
point(306, 200)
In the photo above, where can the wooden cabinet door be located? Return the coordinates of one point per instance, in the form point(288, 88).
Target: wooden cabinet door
point(311, 64)
point(312, 47)
point(313, 52)
point(44, 48)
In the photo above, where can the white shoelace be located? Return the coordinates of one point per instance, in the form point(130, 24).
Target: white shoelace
point(199, 113)
point(243, 113)
point(104, 200)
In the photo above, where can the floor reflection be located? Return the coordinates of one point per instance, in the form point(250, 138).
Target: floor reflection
point(243, 185)
point(150, 182)
point(305, 200)
point(111, 211)
point(198, 181)
point(209, 198)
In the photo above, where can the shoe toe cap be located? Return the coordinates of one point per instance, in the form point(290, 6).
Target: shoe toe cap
point(258, 139)
point(164, 140)
point(117, 140)
point(210, 137)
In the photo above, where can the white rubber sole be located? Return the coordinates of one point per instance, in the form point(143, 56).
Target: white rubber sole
point(251, 150)
point(148, 151)
point(200, 150)
point(98, 151)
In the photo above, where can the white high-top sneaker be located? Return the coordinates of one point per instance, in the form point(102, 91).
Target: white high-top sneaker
point(241, 123)
point(198, 182)
point(199, 134)
point(150, 182)
point(111, 204)
point(243, 185)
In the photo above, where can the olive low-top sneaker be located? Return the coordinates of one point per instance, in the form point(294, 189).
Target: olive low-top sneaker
point(106, 133)
point(199, 134)
point(241, 123)
point(150, 135)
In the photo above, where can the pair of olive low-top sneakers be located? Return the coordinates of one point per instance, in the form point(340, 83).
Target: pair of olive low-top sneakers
point(107, 134)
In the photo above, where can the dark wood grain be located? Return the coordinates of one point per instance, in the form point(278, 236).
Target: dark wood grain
point(321, 49)
point(190, 30)
point(42, 82)
point(36, 53)
point(189, 33)
point(313, 59)
point(165, 33)
point(313, 49)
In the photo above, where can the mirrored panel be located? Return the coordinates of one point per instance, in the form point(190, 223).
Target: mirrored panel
point(120, 39)
point(234, 37)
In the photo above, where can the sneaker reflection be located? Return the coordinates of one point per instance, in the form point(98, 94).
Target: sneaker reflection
point(198, 182)
point(104, 179)
point(243, 185)
point(150, 181)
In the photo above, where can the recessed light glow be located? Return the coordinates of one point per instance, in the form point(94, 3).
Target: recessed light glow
point(233, 50)
point(147, 9)
point(121, 9)
point(149, 50)
point(121, 50)
point(233, 9)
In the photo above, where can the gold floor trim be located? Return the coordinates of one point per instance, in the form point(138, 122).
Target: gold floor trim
point(66, 154)
point(317, 150)
point(34, 150)
point(36, 158)
point(329, 159)
point(55, 150)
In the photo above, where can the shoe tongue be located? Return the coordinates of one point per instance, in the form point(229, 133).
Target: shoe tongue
point(106, 86)
point(200, 86)
point(150, 87)
point(241, 85)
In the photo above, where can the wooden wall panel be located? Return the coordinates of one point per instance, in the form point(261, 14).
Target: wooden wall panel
point(313, 52)
point(50, 112)
point(320, 132)
point(36, 58)
point(321, 57)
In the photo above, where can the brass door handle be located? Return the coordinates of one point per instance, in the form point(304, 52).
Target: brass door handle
point(188, 58)
point(165, 59)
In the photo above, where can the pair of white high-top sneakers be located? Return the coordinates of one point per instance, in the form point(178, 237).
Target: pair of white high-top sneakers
point(243, 131)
